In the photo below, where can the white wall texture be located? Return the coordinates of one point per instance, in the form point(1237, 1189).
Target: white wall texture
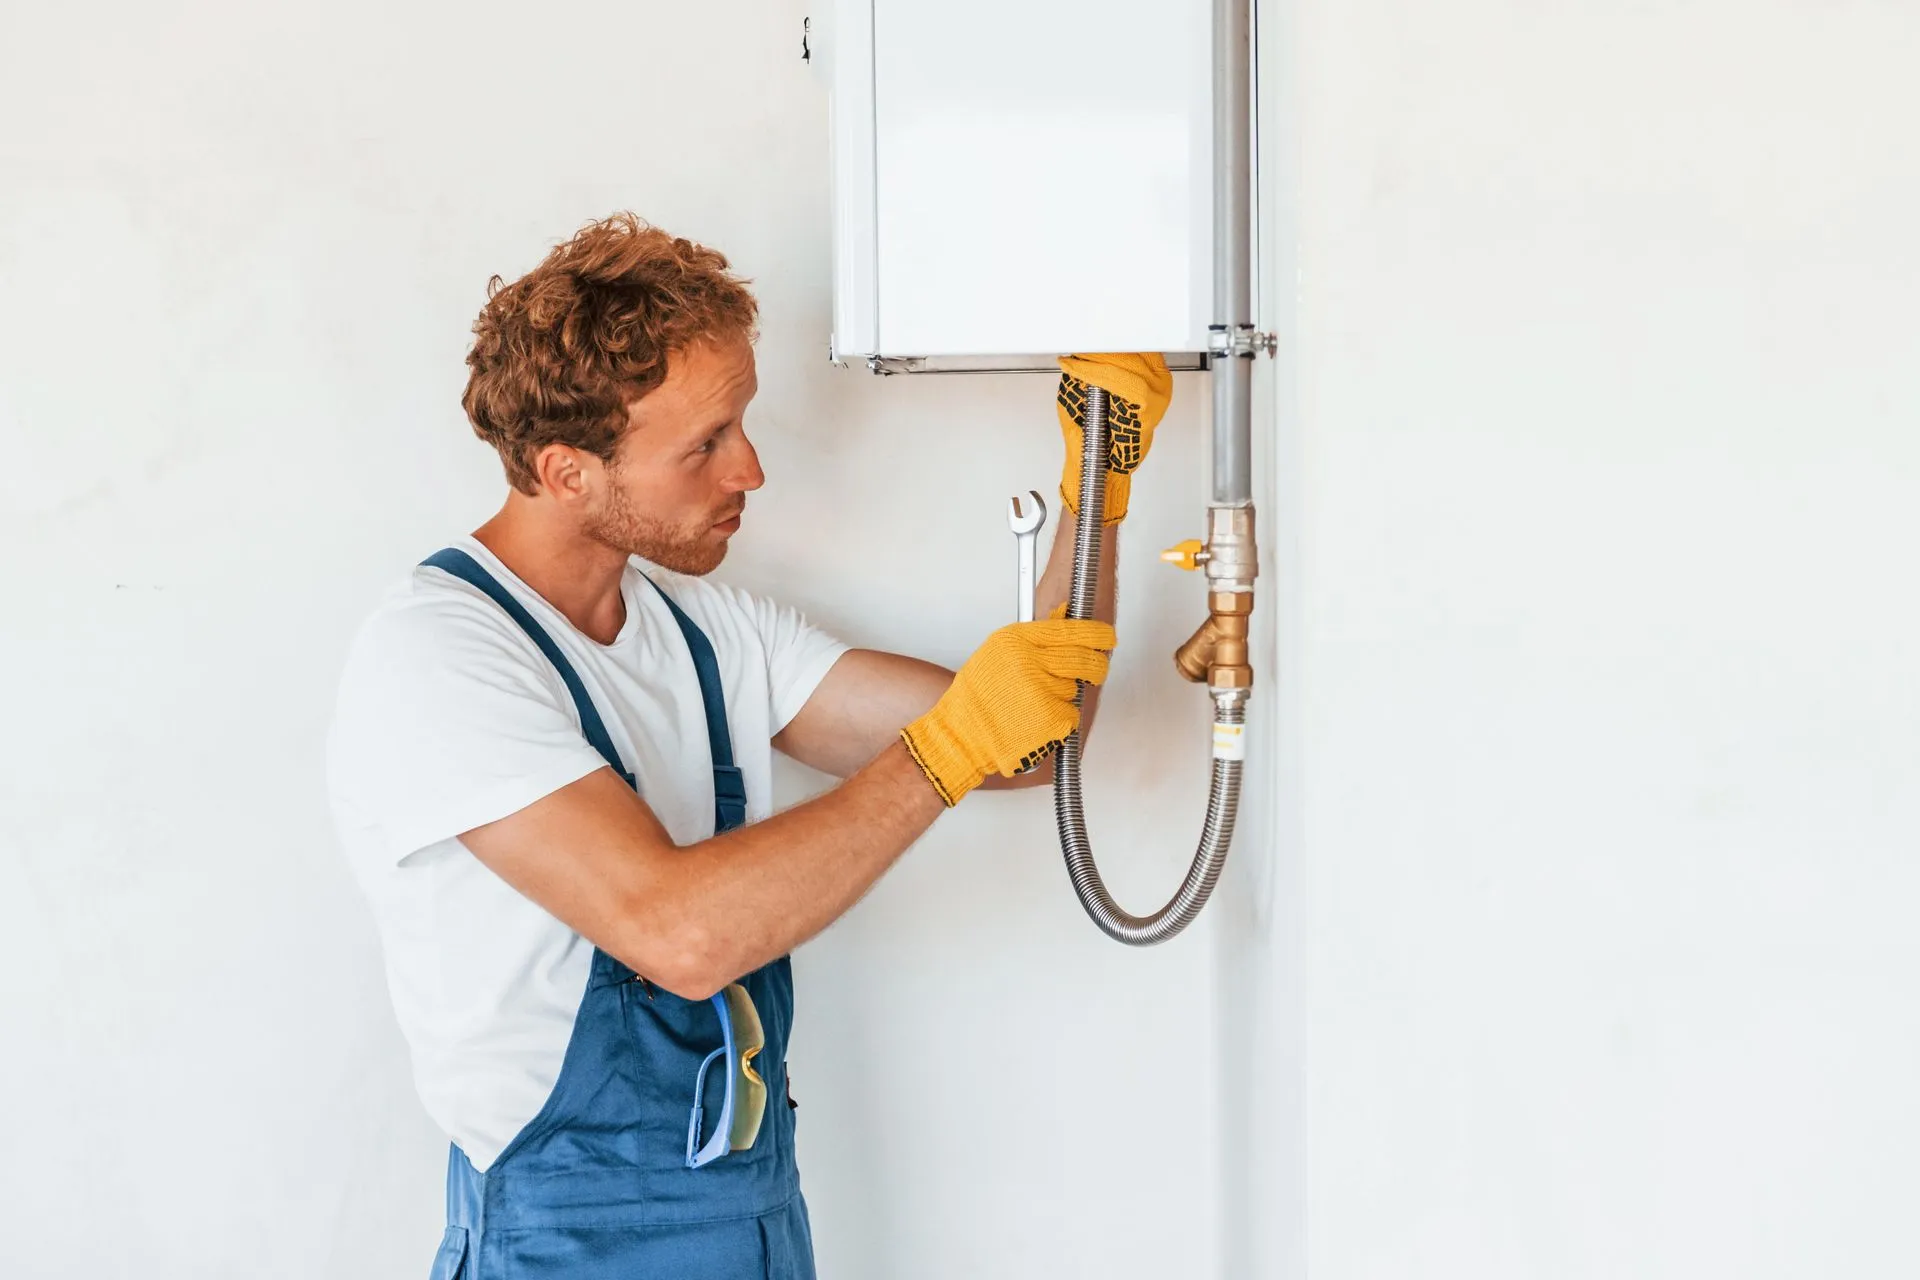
point(1597, 447)
point(240, 247)
point(1573, 939)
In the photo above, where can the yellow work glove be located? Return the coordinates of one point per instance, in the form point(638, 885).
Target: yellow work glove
point(1012, 700)
point(1139, 389)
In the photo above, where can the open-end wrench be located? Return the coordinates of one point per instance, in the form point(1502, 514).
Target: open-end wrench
point(1026, 531)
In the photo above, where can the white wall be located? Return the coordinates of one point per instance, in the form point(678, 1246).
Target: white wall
point(240, 247)
point(1599, 419)
point(1580, 948)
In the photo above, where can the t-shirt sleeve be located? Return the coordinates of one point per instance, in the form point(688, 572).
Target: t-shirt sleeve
point(448, 718)
point(799, 655)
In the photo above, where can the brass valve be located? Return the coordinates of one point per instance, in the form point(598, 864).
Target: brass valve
point(1216, 654)
point(1228, 616)
point(1196, 654)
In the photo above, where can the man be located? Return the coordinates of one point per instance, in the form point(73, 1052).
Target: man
point(550, 765)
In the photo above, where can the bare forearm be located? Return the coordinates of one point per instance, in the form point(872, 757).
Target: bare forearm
point(742, 899)
point(1056, 580)
point(869, 696)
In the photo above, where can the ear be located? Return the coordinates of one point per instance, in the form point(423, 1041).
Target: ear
point(566, 474)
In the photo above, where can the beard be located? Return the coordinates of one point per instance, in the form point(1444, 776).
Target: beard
point(694, 550)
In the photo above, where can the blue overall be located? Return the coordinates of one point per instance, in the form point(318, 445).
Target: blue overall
point(596, 1187)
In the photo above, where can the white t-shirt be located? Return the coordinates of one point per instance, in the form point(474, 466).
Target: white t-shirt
point(449, 718)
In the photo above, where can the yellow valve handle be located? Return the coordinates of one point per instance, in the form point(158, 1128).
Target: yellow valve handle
point(1188, 555)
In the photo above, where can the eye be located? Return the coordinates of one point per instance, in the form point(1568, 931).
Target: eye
point(712, 442)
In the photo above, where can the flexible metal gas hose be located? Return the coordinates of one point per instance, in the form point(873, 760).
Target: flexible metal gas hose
point(1223, 800)
point(1230, 553)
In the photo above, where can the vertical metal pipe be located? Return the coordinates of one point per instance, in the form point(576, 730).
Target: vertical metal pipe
point(1232, 252)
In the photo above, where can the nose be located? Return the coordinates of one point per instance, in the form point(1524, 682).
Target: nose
point(747, 475)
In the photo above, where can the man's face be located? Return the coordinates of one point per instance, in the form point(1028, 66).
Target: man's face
point(679, 478)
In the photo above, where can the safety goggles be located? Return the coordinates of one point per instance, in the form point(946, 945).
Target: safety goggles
point(746, 1097)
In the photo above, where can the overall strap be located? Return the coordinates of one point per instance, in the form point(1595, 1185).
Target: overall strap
point(729, 787)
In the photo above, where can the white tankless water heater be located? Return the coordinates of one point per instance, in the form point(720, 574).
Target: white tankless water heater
point(1018, 179)
point(1015, 180)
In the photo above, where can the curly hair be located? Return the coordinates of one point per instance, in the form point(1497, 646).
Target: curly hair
point(559, 354)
